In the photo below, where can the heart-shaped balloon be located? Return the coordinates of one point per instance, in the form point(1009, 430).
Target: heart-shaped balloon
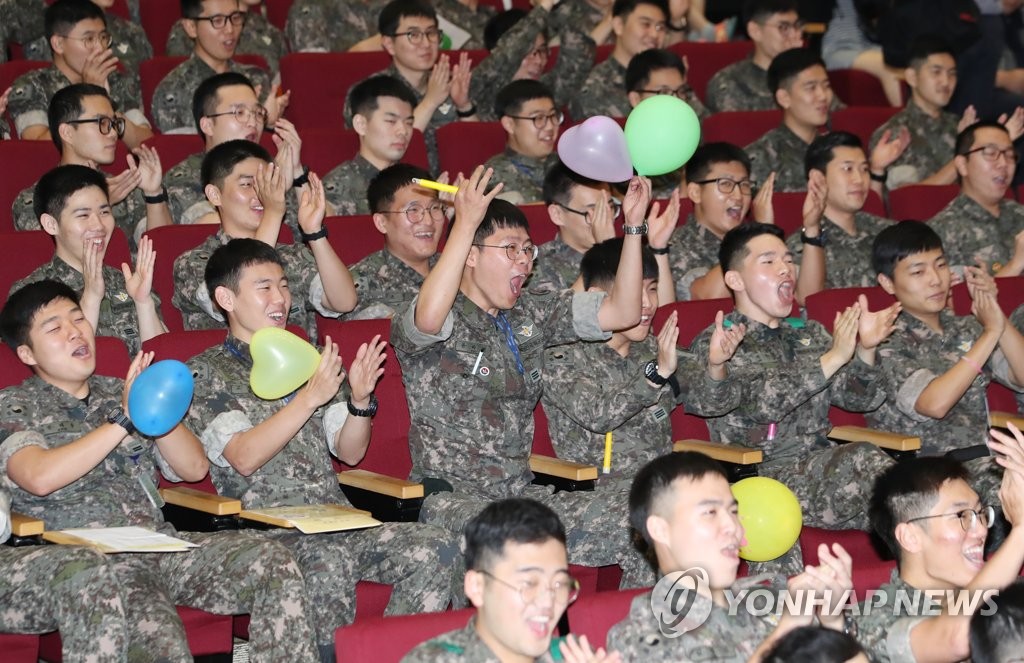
point(596, 149)
point(160, 397)
point(281, 362)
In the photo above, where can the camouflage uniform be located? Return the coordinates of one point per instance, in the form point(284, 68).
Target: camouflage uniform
point(44, 588)
point(932, 141)
point(847, 257)
point(886, 635)
point(557, 266)
point(741, 86)
point(472, 425)
point(331, 25)
point(384, 284)
point(1017, 320)
point(259, 37)
point(463, 645)
point(32, 91)
point(128, 42)
point(783, 151)
point(21, 21)
point(172, 99)
point(577, 15)
point(470, 20)
point(694, 254)
point(230, 573)
point(118, 316)
point(589, 389)
point(603, 92)
point(345, 186)
point(198, 310)
point(784, 384)
point(523, 176)
point(970, 233)
point(416, 559)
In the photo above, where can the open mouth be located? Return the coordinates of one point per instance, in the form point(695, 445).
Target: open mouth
point(81, 352)
point(277, 317)
point(516, 284)
point(785, 291)
point(540, 626)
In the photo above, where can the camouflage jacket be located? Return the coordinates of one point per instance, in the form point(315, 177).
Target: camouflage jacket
point(21, 21)
point(345, 186)
point(471, 408)
point(741, 86)
point(783, 151)
point(557, 266)
point(693, 254)
point(603, 92)
point(259, 37)
point(128, 41)
point(472, 21)
point(384, 284)
point(883, 632)
point(914, 356)
point(931, 147)
point(576, 14)
point(331, 25)
point(1017, 320)
point(971, 234)
point(523, 176)
point(185, 195)
point(847, 257)
point(172, 100)
point(783, 384)
point(463, 645)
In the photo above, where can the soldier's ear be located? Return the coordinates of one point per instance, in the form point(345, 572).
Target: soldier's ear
point(909, 537)
point(693, 192)
point(733, 280)
point(886, 284)
point(474, 254)
point(224, 298)
point(190, 28)
point(49, 224)
point(26, 355)
point(508, 124)
point(473, 585)
point(556, 214)
point(378, 223)
point(910, 75)
point(57, 44)
point(359, 124)
point(782, 98)
point(634, 98)
point(657, 530)
point(388, 43)
point(960, 162)
point(65, 132)
point(618, 25)
point(206, 126)
point(212, 194)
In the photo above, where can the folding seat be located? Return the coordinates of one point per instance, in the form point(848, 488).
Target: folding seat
point(353, 237)
point(920, 202)
point(1011, 295)
point(462, 146)
point(320, 81)
point(24, 252)
point(24, 162)
point(388, 639)
point(858, 88)
point(323, 149)
point(158, 17)
point(739, 127)
point(603, 53)
point(706, 58)
point(19, 648)
point(862, 120)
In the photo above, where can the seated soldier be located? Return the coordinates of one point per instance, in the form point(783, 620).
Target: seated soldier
point(85, 130)
point(939, 364)
point(72, 205)
point(627, 386)
point(248, 192)
point(999, 637)
point(933, 521)
point(683, 507)
point(531, 120)
point(382, 116)
point(411, 219)
point(77, 33)
point(71, 456)
point(271, 453)
point(980, 224)
point(258, 37)
point(639, 25)
point(473, 360)
point(215, 26)
point(52, 587)
point(792, 371)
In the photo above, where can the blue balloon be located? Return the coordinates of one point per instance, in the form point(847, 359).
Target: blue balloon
point(160, 396)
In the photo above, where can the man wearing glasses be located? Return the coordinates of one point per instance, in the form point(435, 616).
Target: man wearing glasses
point(529, 117)
point(258, 37)
point(215, 25)
point(80, 43)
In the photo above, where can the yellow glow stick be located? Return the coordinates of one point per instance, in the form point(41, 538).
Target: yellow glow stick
point(607, 453)
point(437, 186)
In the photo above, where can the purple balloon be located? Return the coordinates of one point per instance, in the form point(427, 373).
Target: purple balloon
point(597, 149)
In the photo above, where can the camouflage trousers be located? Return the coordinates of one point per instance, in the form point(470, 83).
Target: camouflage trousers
point(230, 573)
point(45, 588)
point(416, 560)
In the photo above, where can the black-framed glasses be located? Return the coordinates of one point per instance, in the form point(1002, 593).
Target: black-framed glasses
point(244, 113)
point(680, 92)
point(539, 52)
point(513, 251)
point(218, 21)
point(615, 206)
point(102, 38)
point(540, 121)
point(563, 590)
point(991, 153)
point(416, 212)
point(415, 37)
point(105, 123)
point(968, 517)
point(726, 185)
point(785, 28)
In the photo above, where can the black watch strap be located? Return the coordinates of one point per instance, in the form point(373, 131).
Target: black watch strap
point(651, 373)
point(119, 418)
point(309, 237)
point(302, 179)
point(370, 410)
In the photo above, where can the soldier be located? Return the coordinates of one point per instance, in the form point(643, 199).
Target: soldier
point(639, 25)
point(473, 362)
point(271, 453)
point(62, 587)
point(72, 204)
point(248, 192)
point(78, 38)
point(411, 219)
point(627, 386)
point(980, 224)
point(85, 131)
point(215, 26)
point(531, 120)
point(70, 455)
point(258, 37)
point(382, 116)
point(683, 507)
point(318, 26)
point(21, 21)
point(935, 524)
point(793, 370)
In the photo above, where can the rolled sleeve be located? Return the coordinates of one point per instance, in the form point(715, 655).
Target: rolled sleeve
point(897, 642)
point(910, 391)
point(418, 339)
point(585, 306)
point(165, 468)
point(334, 418)
point(15, 443)
point(5, 517)
point(685, 283)
point(137, 117)
point(316, 298)
point(30, 119)
point(203, 299)
point(1000, 368)
point(220, 431)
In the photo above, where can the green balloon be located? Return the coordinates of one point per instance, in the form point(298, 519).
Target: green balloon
point(446, 43)
point(662, 133)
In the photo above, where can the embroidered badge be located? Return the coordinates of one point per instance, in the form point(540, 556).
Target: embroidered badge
point(484, 371)
point(806, 342)
point(526, 330)
point(121, 296)
point(966, 345)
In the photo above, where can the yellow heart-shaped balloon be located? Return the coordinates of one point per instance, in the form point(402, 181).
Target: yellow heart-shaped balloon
point(281, 362)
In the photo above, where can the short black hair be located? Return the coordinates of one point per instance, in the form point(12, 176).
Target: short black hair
point(499, 24)
point(644, 63)
point(899, 241)
point(363, 98)
point(927, 45)
point(965, 139)
point(510, 99)
point(999, 636)
point(821, 151)
point(623, 8)
point(55, 187)
point(813, 644)
point(24, 303)
point(500, 214)
point(222, 159)
point(193, 8)
point(787, 65)
point(908, 490)
point(61, 17)
point(385, 185)
point(760, 11)
point(655, 479)
point(733, 248)
point(709, 154)
point(224, 268)
point(207, 95)
point(601, 261)
point(514, 520)
point(559, 182)
point(66, 105)
point(393, 12)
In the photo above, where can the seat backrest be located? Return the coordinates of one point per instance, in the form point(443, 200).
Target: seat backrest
point(388, 639)
point(175, 148)
point(594, 615)
point(183, 345)
point(152, 71)
point(872, 564)
point(862, 120)
point(823, 306)
point(353, 237)
point(858, 88)
point(788, 206)
point(277, 12)
point(158, 17)
point(462, 146)
point(704, 59)
point(169, 242)
point(920, 202)
point(323, 149)
point(24, 251)
point(1011, 295)
point(25, 162)
point(739, 127)
point(318, 99)
point(542, 228)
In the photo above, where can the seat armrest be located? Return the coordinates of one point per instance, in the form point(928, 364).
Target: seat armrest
point(381, 483)
point(22, 525)
point(879, 438)
point(564, 469)
point(197, 500)
point(724, 453)
point(1000, 419)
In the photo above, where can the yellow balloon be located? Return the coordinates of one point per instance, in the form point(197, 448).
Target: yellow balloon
point(770, 515)
point(281, 362)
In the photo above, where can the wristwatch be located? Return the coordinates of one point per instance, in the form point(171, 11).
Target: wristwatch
point(651, 373)
point(370, 410)
point(312, 237)
point(818, 241)
point(635, 230)
point(119, 418)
